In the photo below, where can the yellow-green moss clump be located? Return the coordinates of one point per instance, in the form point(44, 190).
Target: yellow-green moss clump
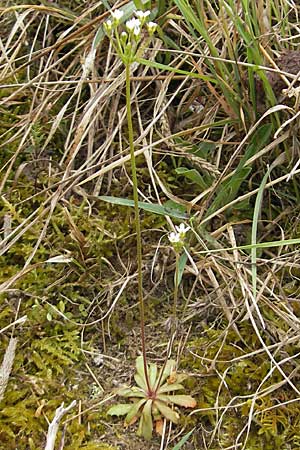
point(49, 365)
point(226, 380)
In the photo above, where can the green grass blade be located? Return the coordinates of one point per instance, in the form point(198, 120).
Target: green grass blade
point(183, 440)
point(181, 265)
point(268, 244)
point(256, 214)
point(228, 190)
point(149, 207)
point(161, 66)
point(255, 220)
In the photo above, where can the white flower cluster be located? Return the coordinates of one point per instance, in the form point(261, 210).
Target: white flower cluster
point(177, 238)
point(126, 42)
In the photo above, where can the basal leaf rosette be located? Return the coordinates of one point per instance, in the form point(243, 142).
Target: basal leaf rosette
point(153, 405)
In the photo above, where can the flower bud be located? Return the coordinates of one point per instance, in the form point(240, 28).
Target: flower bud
point(151, 26)
point(108, 27)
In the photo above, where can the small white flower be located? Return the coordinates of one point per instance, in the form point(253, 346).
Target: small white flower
point(132, 24)
point(142, 15)
point(117, 15)
point(174, 238)
point(182, 229)
point(151, 26)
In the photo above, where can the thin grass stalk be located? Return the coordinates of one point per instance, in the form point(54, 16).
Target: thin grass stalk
point(161, 7)
point(137, 221)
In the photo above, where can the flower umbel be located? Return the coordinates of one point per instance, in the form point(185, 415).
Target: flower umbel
point(129, 46)
point(177, 238)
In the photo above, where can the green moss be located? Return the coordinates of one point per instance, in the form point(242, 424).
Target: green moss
point(272, 425)
point(48, 362)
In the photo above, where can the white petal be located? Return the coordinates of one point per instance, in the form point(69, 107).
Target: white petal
point(137, 31)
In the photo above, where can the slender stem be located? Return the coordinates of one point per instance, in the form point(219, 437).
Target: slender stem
point(174, 318)
point(137, 222)
point(176, 283)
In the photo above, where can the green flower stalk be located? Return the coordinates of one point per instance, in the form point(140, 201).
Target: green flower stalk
point(127, 44)
point(177, 241)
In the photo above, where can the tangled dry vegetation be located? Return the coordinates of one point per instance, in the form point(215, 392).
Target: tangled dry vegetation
point(216, 116)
